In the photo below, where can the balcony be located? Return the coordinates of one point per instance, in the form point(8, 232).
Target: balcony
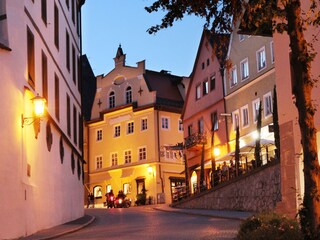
point(195, 141)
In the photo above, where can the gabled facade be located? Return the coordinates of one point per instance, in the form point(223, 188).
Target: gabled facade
point(41, 161)
point(135, 119)
point(203, 105)
point(249, 81)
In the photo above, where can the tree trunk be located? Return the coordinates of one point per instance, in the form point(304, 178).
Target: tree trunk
point(257, 149)
point(276, 129)
point(202, 187)
point(237, 151)
point(302, 87)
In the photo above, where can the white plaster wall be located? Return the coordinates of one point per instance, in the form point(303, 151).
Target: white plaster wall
point(52, 194)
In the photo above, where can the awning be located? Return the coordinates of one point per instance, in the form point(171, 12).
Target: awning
point(126, 172)
point(99, 177)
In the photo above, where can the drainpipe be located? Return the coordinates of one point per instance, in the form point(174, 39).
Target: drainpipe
point(158, 131)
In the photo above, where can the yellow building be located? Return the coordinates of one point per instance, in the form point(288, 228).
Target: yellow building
point(134, 119)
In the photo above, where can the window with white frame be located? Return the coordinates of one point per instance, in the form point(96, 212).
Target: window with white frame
point(200, 125)
point(236, 119)
point(129, 95)
point(127, 156)
point(205, 87)
point(233, 76)
point(144, 124)
point(142, 153)
point(198, 92)
point(114, 159)
point(267, 104)
point(99, 162)
point(112, 100)
point(117, 131)
point(255, 109)
point(261, 58)
point(245, 116)
point(130, 127)
point(180, 125)
point(214, 121)
point(99, 135)
point(244, 69)
point(165, 123)
point(272, 52)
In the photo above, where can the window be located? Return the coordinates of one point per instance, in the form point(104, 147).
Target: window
point(74, 57)
point(212, 83)
point(117, 131)
point(144, 124)
point(56, 97)
point(142, 153)
point(112, 99)
point(126, 188)
point(67, 50)
point(68, 116)
point(130, 128)
point(75, 125)
point(80, 130)
point(272, 52)
point(73, 10)
point(165, 123)
point(202, 66)
point(267, 108)
point(180, 125)
point(44, 11)
point(235, 119)
point(67, 3)
point(214, 121)
point(205, 87)
point(208, 62)
point(114, 159)
point(31, 58)
point(198, 92)
point(97, 192)
point(255, 106)
point(127, 156)
point(233, 76)
point(245, 116)
point(244, 66)
point(56, 26)
point(98, 162)
point(261, 58)
point(190, 131)
point(129, 95)
point(44, 67)
point(200, 125)
point(99, 134)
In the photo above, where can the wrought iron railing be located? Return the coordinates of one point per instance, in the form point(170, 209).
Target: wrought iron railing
point(196, 139)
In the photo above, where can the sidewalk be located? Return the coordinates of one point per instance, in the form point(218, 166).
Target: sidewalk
point(87, 219)
point(63, 229)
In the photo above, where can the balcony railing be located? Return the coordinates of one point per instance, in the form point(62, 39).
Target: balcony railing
point(195, 140)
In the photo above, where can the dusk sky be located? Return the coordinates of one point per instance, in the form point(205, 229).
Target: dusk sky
point(108, 23)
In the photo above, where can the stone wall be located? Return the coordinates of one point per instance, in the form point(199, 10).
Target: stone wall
point(256, 191)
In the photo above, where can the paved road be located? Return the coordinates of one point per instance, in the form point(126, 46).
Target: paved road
point(147, 223)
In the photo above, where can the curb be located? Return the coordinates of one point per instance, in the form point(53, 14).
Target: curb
point(71, 230)
point(182, 211)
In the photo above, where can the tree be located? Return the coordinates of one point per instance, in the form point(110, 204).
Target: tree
point(260, 17)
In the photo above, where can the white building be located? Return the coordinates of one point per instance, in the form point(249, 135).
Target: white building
point(41, 172)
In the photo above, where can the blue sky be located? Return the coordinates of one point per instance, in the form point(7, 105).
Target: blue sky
point(108, 23)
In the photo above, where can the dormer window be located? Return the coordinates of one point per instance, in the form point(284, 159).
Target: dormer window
point(112, 100)
point(128, 95)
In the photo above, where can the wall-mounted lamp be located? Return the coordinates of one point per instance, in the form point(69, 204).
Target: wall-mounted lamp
point(38, 112)
point(150, 171)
